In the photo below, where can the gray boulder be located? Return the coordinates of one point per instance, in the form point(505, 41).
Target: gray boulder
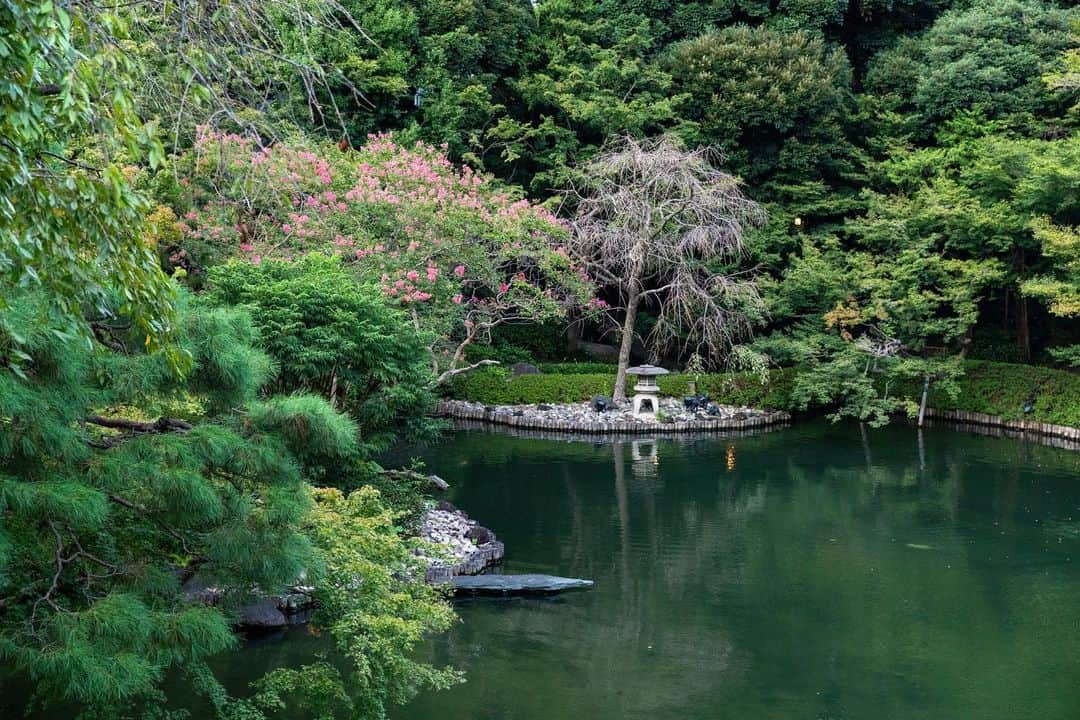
point(263, 614)
point(523, 368)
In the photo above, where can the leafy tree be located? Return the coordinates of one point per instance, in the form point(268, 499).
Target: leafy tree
point(988, 57)
point(658, 223)
point(982, 192)
point(893, 312)
point(594, 74)
point(102, 502)
point(120, 480)
point(68, 227)
point(1061, 289)
point(773, 103)
point(458, 252)
point(332, 336)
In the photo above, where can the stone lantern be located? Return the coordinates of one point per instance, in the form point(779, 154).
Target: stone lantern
point(646, 391)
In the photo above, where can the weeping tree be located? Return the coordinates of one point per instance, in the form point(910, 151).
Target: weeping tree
point(663, 226)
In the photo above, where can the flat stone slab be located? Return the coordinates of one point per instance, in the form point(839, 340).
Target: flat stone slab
point(528, 584)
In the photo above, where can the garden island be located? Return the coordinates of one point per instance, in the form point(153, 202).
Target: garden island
point(539, 359)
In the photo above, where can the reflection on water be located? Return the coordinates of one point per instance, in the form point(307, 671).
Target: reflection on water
point(813, 572)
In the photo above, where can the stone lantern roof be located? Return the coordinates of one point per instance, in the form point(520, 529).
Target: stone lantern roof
point(646, 370)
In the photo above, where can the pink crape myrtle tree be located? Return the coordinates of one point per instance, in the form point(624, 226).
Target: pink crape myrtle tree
point(459, 252)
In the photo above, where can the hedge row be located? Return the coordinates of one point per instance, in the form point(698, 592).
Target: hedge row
point(1002, 389)
point(986, 387)
point(496, 387)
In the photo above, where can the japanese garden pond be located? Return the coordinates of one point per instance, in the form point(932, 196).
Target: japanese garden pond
point(819, 571)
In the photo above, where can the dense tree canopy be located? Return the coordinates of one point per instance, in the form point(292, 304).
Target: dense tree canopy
point(353, 198)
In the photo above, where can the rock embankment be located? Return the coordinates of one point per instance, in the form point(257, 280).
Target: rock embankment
point(293, 607)
point(462, 546)
point(581, 417)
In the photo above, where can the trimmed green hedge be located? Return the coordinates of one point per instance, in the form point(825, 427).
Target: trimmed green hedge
point(986, 387)
point(1002, 388)
point(496, 387)
point(578, 368)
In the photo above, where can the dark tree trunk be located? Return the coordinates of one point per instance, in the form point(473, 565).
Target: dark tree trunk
point(1023, 330)
point(624, 347)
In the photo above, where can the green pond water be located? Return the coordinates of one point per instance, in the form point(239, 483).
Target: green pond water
point(813, 572)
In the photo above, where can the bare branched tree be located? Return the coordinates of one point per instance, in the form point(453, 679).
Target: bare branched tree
point(659, 222)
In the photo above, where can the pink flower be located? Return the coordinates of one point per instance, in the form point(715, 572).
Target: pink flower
point(412, 275)
point(457, 299)
point(432, 273)
point(286, 228)
point(503, 287)
point(459, 270)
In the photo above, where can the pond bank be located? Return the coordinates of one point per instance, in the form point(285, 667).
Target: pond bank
point(1062, 436)
point(578, 418)
point(581, 418)
point(462, 545)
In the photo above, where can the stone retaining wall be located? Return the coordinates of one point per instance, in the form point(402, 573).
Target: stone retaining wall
point(1022, 427)
point(501, 416)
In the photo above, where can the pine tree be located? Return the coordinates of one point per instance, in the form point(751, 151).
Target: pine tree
point(120, 479)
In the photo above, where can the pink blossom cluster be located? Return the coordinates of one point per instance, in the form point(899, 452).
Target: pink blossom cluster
point(438, 235)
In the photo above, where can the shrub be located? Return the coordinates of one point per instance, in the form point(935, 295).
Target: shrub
point(496, 387)
point(1002, 389)
point(578, 368)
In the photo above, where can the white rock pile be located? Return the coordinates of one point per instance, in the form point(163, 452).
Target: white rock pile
point(463, 546)
point(671, 411)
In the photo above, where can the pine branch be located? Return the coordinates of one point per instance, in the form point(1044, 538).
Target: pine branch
point(145, 512)
point(135, 428)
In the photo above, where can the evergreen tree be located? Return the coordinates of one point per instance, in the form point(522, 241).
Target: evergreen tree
point(121, 479)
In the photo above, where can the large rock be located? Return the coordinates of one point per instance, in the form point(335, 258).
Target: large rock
point(528, 584)
point(263, 614)
point(292, 607)
point(524, 368)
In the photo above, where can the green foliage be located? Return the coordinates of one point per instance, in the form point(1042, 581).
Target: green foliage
point(376, 622)
point(772, 102)
point(331, 334)
point(103, 510)
point(1061, 292)
point(496, 387)
point(578, 368)
point(106, 508)
point(1002, 389)
point(69, 227)
point(987, 56)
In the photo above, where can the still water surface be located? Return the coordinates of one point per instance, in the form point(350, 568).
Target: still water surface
point(812, 572)
point(817, 572)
